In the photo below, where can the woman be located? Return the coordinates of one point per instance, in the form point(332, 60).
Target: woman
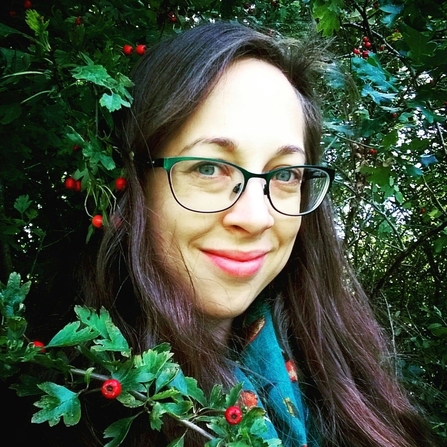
point(207, 248)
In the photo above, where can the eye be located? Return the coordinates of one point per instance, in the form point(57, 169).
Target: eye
point(288, 175)
point(207, 169)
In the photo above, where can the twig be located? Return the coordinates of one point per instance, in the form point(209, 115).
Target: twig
point(142, 397)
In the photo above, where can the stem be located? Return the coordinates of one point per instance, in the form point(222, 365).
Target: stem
point(142, 397)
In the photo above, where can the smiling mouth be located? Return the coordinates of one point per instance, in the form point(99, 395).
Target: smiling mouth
point(237, 264)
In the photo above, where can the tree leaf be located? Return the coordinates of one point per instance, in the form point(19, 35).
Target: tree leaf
point(12, 296)
point(118, 431)
point(59, 402)
point(72, 335)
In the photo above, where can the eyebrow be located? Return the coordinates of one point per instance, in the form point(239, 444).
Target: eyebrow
point(231, 146)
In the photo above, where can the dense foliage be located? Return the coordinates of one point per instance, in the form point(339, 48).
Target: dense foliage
point(65, 72)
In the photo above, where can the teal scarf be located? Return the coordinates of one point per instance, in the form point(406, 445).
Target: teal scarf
point(267, 374)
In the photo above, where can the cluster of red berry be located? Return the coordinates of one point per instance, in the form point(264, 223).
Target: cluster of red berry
point(364, 49)
point(27, 4)
point(139, 49)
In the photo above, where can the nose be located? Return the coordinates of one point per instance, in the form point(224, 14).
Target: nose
point(252, 212)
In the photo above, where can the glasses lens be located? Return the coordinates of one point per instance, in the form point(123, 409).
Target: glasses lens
point(296, 191)
point(206, 186)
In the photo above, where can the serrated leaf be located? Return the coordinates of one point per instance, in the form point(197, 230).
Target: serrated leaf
point(71, 335)
point(177, 408)
point(58, 402)
point(112, 338)
point(327, 15)
point(28, 386)
point(217, 398)
point(12, 296)
point(155, 415)
point(92, 73)
point(167, 394)
point(194, 391)
point(377, 96)
point(393, 11)
point(180, 442)
point(118, 431)
point(113, 102)
point(165, 377)
point(233, 395)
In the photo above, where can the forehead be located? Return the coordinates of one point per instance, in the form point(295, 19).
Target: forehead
point(253, 105)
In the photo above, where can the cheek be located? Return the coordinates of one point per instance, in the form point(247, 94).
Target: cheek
point(290, 231)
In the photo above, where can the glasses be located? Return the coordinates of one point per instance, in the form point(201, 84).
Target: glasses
point(209, 185)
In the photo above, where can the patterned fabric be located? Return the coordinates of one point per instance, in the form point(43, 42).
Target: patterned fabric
point(267, 374)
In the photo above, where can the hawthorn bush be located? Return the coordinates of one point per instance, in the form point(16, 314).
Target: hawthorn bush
point(64, 73)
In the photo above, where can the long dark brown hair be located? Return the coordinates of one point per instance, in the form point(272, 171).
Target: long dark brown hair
point(346, 368)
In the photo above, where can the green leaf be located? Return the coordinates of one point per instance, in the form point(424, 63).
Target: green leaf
point(59, 402)
point(177, 408)
point(327, 15)
point(155, 415)
point(22, 203)
point(180, 442)
point(10, 112)
point(12, 296)
point(194, 391)
point(112, 338)
point(233, 395)
point(118, 431)
point(419, 43)
point(165, 377)
point(92, 73)
point(376, 96)
point(6, 31)
point(71, 335)
point(113, 102)
point(371, 71)
point(392, 11)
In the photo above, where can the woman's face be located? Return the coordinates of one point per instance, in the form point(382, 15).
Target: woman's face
point(254, 119)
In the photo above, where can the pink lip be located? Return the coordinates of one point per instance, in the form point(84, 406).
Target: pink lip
point(237, 263)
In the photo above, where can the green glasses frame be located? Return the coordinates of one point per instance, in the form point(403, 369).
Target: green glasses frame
point(167, 163)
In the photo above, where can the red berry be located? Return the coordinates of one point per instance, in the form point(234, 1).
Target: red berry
point(373, 151)
point(97, 221)
point(356, 51)
point(76, 148)
point(394, 115)
point(140, 49)
point(368, 44)
point(70, 183)
point(365, 39)
point(233, 415)
point(172, 17)
point(120, 183)
point(78, 21)
point(365, 54)
point(111, 388)
point(27, 4)
point(12, 14)
point(39, 344)
point(127, 50)
point(248, 399)
point(423, 210)
point(78, 186)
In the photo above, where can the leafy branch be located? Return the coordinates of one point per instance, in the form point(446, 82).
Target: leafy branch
point(150, 383)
